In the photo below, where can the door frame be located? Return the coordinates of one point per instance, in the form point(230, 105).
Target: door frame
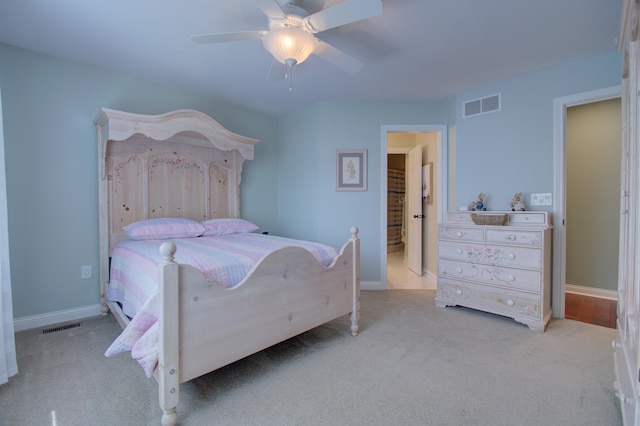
point(560, 106)
point(442, 196)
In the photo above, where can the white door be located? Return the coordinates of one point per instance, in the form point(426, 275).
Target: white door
point(414, 209)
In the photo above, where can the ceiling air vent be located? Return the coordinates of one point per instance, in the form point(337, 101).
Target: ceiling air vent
point(481, 106)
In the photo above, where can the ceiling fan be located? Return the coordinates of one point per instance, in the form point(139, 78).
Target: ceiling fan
point(290, 38)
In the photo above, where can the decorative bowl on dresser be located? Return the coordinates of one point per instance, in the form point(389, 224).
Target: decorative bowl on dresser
point(501, 269)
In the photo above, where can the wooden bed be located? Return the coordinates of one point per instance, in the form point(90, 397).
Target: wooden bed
point(185, 164)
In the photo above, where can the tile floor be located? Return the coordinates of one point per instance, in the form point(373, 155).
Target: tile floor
point(399, 277)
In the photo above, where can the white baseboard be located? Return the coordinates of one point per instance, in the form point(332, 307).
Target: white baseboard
point(591, 291)
point(42, 320)
point(372, 285)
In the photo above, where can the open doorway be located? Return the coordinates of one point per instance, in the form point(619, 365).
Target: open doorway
point(562, 231)
point(410, 227)
point(406, 218)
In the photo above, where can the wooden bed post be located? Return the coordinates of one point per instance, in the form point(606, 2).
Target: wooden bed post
point(103, 211)
point(355, 313)
point(168, 362)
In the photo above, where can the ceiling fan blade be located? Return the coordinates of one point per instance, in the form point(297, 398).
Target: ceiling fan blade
point(278, 71)
point(344, 13)
point(224, 37)
point(337, 57)
point(272, 9)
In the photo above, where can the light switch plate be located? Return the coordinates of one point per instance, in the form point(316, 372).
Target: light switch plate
point(541, 199)
point(85, 271)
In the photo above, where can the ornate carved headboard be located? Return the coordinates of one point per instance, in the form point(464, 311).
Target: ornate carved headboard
point(179, 164)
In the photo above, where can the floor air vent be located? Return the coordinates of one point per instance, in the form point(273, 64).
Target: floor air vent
point(60, 328)
point(481, 106)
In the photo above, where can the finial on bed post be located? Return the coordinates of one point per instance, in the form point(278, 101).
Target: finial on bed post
point(354, 231)
point(167, 250)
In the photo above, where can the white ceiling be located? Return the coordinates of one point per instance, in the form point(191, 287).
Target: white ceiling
point(416, 50)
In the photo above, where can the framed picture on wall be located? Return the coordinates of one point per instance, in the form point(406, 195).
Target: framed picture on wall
point(351, 170)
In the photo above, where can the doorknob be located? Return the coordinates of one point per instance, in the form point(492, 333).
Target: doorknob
point(418, 216)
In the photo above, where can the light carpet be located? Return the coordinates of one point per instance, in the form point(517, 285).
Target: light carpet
point(412, 364)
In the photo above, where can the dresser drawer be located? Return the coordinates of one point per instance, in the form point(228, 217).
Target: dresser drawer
point(515, 257)
point(461, 233)
point(512, 278)
point(491, 299)
point(459, 216)
point(519, 237)
point(529, 218)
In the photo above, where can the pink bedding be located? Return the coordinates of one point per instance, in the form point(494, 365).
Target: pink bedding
point(225, 259)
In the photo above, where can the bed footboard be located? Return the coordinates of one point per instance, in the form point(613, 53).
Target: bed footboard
point(204, 326)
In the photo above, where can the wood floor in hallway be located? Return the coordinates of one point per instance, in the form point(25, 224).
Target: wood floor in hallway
point(592, 310)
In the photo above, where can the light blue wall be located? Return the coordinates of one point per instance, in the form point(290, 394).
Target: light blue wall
point(308, 204)
point(512, 150)
point(49, 105)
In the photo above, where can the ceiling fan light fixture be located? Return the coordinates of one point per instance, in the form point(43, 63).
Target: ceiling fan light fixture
point(286, 43)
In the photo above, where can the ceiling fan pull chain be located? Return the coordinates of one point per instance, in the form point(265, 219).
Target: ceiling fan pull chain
point(291, 79)
point(289, 73)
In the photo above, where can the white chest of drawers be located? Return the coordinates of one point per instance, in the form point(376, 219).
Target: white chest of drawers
point(505, 270)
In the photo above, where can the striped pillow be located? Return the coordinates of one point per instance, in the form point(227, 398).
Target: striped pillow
point(163, 228)
point(227, 226)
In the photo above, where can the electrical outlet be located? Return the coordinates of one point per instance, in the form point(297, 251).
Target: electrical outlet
point(85, 271)
point(541, 199)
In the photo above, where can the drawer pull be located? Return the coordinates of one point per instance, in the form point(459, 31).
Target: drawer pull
point(623, 398)
point(510, 302)
point(459, 251)
point(511, 256)
point(511, 237)
point(511, 278)
point(459, 234)
point(459, 292)
point(459, 270)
